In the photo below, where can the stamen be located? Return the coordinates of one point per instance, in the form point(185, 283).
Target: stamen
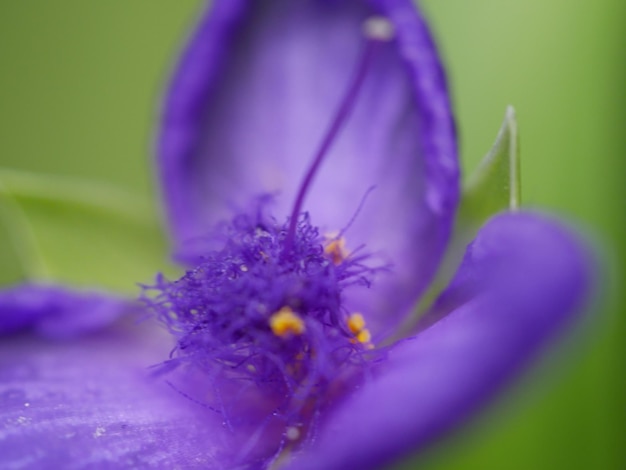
point(336, 249)
point(376, 30)
point(364, 336)
point(356, 325)
point(285, 323)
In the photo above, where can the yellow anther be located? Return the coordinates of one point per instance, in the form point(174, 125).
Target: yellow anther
point(292, 433)
point(364, 336)
point(356, 323)
point(336, 249)
point(285, 322)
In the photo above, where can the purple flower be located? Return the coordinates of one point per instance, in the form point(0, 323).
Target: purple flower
point(309, 168)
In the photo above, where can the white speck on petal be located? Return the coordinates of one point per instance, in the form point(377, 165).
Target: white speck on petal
point(378, 28)
point(23, 420)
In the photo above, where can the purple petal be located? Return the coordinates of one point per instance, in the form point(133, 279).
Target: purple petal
point(58, 312)
point(251, 99)
point(91, 403)
point(522, 280)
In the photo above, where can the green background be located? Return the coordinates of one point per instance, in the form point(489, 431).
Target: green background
point(80, 85)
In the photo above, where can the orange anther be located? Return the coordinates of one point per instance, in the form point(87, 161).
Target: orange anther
point(336, 250)
point(285, 322)
point(356, 325)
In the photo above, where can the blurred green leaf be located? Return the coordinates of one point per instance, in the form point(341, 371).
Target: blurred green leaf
point(493, 187)
point(11, 269)
point(76, 232)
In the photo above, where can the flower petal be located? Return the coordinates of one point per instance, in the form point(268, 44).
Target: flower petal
point(522, 280)
point(91, 403)
point(251, 99)
point(58, 312)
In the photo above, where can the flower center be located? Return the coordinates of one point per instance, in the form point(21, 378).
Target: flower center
point(261, 314)
point(268, 322)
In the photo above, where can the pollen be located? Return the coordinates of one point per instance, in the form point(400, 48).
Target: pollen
point(364, 336)
point(356, 325)
point(336, 249)
point(286, 322)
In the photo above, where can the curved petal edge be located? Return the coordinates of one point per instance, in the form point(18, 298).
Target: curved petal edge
point(59, 312)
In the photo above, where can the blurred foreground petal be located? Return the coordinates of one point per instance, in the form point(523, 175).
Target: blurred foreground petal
point(522, 280)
